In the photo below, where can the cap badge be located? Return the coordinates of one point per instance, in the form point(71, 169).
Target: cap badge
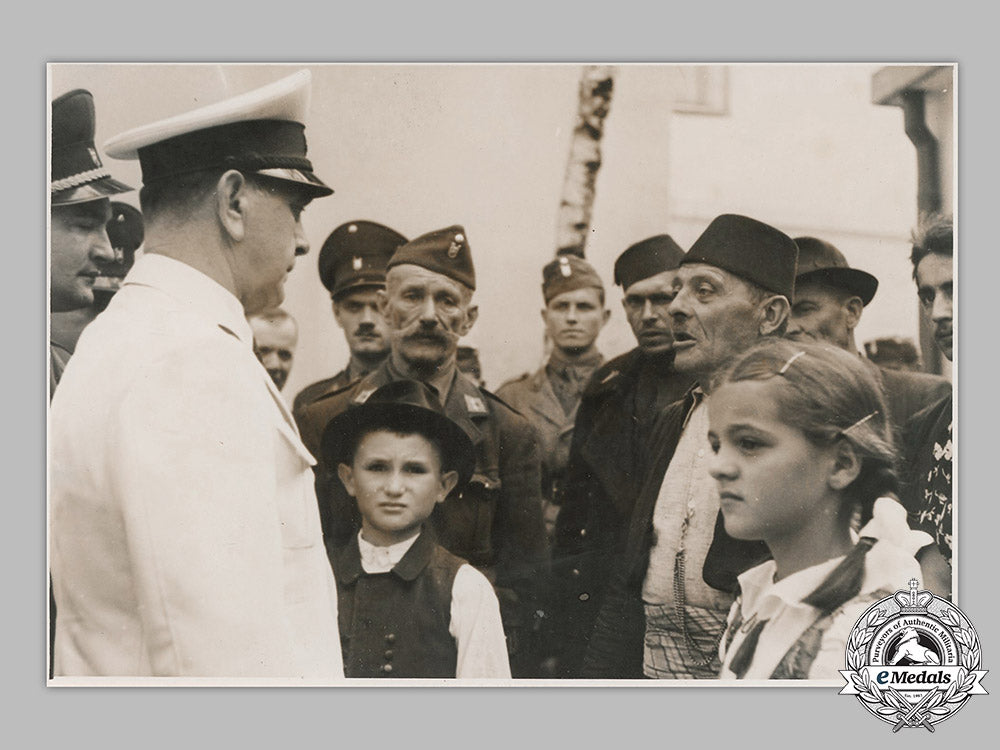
point(564, 267)
point(454, 247)
point(356, 263)
point(352, 228)
point(93, 156)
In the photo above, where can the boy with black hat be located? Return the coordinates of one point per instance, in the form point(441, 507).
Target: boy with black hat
point(408, 607)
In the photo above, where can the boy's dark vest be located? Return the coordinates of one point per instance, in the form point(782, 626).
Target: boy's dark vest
point(396, 624)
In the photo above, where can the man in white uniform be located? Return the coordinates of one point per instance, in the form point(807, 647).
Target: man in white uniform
point(185, 538)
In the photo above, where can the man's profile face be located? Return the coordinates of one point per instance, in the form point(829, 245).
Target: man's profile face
point(427, 313)
point(821, 313)
point(574, 319)
point(274, 342)
point(364, 327)
point(646, 303)
point(713, 318)
point(79, 251)
point(273, 239)
point(935, 277)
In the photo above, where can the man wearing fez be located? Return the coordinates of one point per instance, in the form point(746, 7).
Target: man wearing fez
point(352, 268)
point(619, 403)
point(80, 208)
point(574, 315)
point(275, 336)
point(830, 297)
point(185, 539)
point(927, 490)
point(496, 521)
point(670, 592)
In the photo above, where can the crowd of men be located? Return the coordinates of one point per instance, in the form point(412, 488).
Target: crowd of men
point(194, 516)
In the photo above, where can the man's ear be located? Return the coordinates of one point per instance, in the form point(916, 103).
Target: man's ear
point(773, 314)
point(471, 316)
point(231, 203)
point(346, 474)
point(854, 307)
point(607, 316)
point(448, 481)
point(846, 466)
point(382, 300)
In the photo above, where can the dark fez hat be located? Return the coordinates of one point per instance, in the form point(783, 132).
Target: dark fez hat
point(125, 232)
point(567, 273)
point(355, 255)
point(260, 132)
point(445, 251)
point(751, 249)
point(77, 173)
point(821, 262)
point(406, 406)
point(647, 258)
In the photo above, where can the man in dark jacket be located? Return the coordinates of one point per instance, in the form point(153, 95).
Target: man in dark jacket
point(618, 405)
point(671, 589)
point(496, 521)
point(830, 297)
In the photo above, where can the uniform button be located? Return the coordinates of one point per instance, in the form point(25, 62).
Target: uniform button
point(390, 638)
point(583, 532)
point(584, 597)
point(576, 572)
point(388, 654)
point(387, 668)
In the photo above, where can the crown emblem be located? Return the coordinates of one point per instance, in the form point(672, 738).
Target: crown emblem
point(356, 263)
point(913, 602)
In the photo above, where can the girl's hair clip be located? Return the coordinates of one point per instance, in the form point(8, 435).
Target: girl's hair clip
point(858, 423)
point(784, 367)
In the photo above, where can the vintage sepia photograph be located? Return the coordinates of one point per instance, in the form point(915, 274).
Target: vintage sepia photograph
point(495, 374)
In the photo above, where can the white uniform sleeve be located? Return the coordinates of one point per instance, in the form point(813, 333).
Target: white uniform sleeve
point(476, 627)
point(196, 482)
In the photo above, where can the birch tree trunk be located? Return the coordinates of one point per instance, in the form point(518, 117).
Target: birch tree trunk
point(576, 205)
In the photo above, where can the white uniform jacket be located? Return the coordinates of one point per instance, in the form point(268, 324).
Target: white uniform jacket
point(184, 530)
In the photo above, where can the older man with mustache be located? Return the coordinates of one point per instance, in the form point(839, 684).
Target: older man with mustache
point(496, 521)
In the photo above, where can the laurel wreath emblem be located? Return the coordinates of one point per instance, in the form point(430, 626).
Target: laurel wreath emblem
point(943, 702)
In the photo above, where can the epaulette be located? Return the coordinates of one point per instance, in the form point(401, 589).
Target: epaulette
point(491, 395)
point(336, 392)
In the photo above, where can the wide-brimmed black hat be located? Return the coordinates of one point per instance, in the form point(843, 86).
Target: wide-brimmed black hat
point(406, 406)
point(77, 172)
point(819, 261)
point(646, 258)
point(260, 132)
point(355, 254)
point(750, 249)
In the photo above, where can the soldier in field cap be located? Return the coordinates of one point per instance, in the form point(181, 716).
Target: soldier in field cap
point(185, 540)
point(574, 315)
point(618, 404)
point(672, 588)
point(352, 268)
point(79, 189)
point(496, 521)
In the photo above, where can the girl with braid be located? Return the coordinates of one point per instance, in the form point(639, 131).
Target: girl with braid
point(804, 458)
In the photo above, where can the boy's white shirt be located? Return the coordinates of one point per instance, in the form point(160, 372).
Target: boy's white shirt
point(475, 612)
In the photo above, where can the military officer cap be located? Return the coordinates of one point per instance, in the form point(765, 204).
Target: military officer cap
point(125, 232)
point(445, 251)
point(750, 249)
point(77, 172)
point(259, 132)
point(647, 258)
point(819, 261)
point(355, 254)
point(567, 273)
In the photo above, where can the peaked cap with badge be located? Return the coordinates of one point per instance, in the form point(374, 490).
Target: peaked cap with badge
point(647, 258)
point(821, 262)
point(355, 254)
point(445, 251)
point(750, 249)
point(77, 173)
point(260, 132)
point(125, 232)
point(567, 273)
